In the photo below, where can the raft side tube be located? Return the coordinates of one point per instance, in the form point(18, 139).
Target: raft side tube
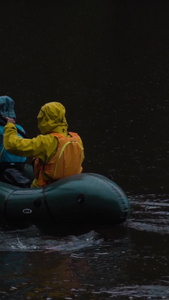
point(5, 191)
point(26, 205)
point(84, 198)
point(88, 198)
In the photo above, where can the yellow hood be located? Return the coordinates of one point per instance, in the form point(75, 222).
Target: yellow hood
point(51, 116)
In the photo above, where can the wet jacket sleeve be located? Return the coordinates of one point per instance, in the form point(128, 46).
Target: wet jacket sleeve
point(41, 146)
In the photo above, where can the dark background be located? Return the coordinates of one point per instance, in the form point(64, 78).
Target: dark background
point(107, 61)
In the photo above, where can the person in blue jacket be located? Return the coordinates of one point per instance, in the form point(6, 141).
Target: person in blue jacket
point(9, 161)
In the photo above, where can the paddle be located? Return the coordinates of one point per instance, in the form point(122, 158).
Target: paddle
point(19, 130)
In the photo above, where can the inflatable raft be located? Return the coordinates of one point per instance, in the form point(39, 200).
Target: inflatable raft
point(86, 198)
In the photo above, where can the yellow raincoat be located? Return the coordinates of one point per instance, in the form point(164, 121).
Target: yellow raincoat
point(51, 118)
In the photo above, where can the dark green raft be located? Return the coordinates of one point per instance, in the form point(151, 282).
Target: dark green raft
point(86, 198)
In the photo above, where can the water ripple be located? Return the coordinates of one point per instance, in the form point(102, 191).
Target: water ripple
point(150, 213)
point(139, 292)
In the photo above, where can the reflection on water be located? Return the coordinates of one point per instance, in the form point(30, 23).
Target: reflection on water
point(120, 262)
point(138, 292)
point(150, 212)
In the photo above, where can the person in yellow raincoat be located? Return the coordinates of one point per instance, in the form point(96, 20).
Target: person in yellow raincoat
point(57, 153)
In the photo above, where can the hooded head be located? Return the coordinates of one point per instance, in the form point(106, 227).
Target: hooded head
point(51, 116)
point(7, 107)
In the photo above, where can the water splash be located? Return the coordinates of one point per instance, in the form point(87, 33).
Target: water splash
point(32, 241)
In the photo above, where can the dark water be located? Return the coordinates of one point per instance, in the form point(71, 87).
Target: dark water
point(107, 62)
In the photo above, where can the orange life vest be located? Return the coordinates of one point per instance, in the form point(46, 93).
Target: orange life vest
point(67, 160)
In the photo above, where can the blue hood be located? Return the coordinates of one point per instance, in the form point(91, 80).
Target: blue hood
point(7, 107)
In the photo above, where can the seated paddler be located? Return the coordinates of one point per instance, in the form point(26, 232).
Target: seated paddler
point(57, 153)
point(11, 165)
